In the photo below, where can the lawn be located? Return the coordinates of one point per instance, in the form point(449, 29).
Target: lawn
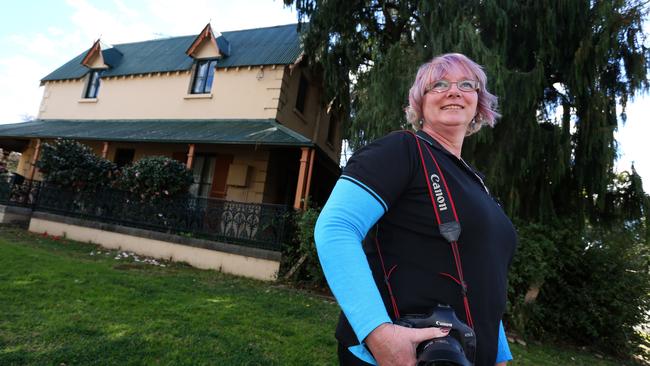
point(70, 303)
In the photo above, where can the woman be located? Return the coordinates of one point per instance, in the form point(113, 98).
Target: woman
point(384, 187)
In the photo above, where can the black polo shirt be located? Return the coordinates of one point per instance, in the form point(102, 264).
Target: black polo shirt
point(411, 243)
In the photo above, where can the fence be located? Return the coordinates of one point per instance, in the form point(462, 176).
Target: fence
point(17, 191)
point(250, 224)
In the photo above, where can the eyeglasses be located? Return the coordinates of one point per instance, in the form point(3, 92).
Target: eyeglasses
point(441, 86)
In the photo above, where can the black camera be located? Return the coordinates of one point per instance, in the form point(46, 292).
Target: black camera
point(456, 349)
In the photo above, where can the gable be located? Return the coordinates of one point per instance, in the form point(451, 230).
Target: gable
point(93, 58)
point(206, 49)
point(98, 57)
point(97, 62)
point(206, 46)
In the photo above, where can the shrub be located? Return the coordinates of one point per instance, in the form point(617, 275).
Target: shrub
point(299, 254)
point(599, 293)
point(9, 161)
point(534, 262)
point(306, 220)
point(70, 164)
point(156, 177)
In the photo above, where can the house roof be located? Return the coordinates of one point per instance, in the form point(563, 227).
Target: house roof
point(222, 131)
point(279, 45)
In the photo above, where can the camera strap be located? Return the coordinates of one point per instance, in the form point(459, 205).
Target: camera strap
point(448, 224)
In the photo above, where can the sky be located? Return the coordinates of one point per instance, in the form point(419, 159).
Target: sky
point(38, 36)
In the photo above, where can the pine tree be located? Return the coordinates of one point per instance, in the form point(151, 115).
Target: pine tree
point(560, 69)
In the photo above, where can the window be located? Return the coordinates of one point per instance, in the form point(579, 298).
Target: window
point(93, 84)
point(210, 174)
point(203, 171)
point(331, 130)
point(203, 76)
point(303, 87)
point(124, 157)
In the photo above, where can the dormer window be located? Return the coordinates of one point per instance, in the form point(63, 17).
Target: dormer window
point(92, 88)
point(99, 57)
point(206, 49)
point(203, 76)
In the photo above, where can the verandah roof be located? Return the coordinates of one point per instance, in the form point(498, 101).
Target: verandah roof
point(221, 131)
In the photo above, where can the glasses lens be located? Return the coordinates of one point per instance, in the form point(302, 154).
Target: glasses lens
point(440, 86)
point(467, 85)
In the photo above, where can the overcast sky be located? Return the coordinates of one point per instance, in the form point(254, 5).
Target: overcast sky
point(37, 36)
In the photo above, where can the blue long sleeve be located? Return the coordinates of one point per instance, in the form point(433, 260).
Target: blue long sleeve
point(343, 223)
point(503, 350)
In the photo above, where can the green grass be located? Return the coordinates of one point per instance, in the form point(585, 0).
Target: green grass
point(554, 355)
point(61, 305)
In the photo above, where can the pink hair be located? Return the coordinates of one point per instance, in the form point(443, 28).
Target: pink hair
point(436, 69)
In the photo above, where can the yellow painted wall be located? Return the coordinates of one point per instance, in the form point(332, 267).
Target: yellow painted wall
point(235, 94)
point(239, 93)
point(206, 49)
point(258, 163)
point(314, 122)
point(303, 123)
point(265, 92)
point(255, 158)
point(97, 62)
point(25, 162)
point(25, 159)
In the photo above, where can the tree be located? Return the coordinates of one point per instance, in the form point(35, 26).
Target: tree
point(560, 69)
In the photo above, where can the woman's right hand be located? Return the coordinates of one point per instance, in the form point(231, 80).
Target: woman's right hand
point(394, 345)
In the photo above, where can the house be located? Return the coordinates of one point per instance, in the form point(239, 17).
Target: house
point(242, 109)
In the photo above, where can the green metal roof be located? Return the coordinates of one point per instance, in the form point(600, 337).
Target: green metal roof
point(224, 131)
point(279, 45)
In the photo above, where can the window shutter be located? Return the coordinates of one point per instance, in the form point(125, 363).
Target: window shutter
point(221, 167)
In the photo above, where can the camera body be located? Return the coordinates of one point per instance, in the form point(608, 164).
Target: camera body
point(457, 348)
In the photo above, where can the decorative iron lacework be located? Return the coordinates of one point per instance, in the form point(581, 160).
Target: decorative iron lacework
point(15, 190)
point(256, 225)
point(250, 224)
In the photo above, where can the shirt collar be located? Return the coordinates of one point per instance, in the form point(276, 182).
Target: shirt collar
point(435, 144)
point(432, 142)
